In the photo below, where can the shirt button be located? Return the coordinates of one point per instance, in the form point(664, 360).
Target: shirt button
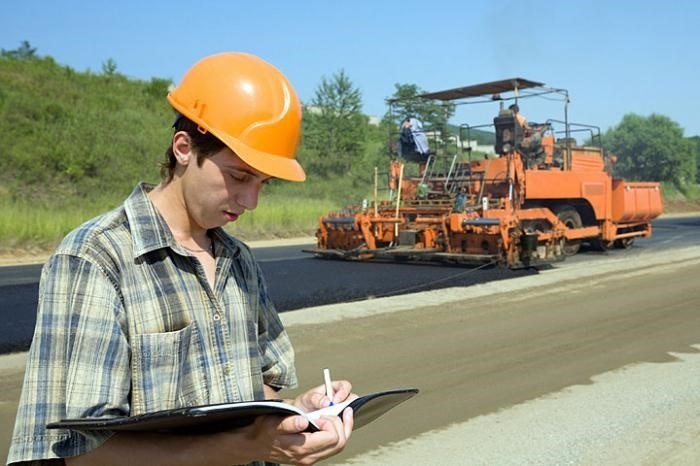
point(217, 317)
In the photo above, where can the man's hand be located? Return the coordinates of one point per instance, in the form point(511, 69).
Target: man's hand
point(316, 398)
point(283, 440)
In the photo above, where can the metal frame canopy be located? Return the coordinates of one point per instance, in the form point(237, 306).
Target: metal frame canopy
point(489, 88)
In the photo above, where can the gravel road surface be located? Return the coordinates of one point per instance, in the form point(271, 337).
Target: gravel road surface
point(575, 367)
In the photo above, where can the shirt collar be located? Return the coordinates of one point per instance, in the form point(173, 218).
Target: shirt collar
point(149, 229)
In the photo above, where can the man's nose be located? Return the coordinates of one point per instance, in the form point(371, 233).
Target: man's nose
point(248, 196)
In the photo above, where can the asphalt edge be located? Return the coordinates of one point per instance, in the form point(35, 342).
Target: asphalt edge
point(370, 307)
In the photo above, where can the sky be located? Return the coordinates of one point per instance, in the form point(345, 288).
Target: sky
point(614, 57)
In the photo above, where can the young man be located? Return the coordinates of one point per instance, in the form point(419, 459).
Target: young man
point(153, 306)
point(532, 134)
point(522, 121)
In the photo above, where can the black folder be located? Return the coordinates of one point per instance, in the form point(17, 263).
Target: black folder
point(225, 416)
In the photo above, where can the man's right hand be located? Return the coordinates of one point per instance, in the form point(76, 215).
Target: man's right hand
point(283, 440)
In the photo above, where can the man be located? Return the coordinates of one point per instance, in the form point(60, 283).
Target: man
point(532, 134)
point(519, 118)
point(413, 143)
point(153, 306)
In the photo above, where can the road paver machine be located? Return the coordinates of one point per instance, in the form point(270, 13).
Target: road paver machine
point(534, 199)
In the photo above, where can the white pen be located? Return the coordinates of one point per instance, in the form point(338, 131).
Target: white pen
point(327, 382)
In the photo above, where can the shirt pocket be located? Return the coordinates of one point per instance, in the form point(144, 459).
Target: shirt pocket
point(167, 371)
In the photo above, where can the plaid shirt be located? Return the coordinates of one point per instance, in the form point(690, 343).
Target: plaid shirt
point(127, 323)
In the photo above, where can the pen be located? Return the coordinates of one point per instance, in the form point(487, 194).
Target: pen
point(327, 382)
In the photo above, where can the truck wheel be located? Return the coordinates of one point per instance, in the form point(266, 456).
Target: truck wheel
point(623, 243)
point(571, 218)
point(599, 244)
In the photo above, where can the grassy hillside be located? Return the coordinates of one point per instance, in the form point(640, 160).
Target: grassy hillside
point(77, 137)
point(75, 144)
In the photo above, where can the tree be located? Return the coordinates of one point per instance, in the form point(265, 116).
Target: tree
point(24, 52)
point(433, 115)
point(695, 140)
point(651, 149)
point(334, 127)
point(404, 103)
point(109, 67)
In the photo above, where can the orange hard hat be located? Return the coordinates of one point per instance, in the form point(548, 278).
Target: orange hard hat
point(249, 105)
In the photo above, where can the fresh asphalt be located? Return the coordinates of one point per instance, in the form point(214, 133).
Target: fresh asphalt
point(297, 280)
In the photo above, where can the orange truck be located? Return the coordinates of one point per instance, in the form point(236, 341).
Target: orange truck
point(535, 199)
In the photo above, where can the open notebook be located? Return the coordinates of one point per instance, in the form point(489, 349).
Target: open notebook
point(226, 416)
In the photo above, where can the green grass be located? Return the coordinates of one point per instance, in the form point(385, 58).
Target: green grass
point(278, 216)
point(31, 226)
point(26, 226)
point(689, 192)
point(288, 212)
point(683, 199)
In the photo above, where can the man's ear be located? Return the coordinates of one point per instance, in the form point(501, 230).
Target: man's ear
point(182, 147)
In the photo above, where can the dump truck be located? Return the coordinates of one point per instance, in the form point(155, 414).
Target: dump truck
point(535, 199)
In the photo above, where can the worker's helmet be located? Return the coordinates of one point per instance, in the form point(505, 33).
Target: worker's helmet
point(249, 105)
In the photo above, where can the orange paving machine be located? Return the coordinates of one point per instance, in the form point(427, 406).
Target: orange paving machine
point(533, 199)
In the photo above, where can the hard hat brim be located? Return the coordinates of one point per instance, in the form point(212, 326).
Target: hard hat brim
point(277, 166)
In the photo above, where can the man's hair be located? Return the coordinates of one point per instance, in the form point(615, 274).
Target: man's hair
point(514, 107)
point(203, 144)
